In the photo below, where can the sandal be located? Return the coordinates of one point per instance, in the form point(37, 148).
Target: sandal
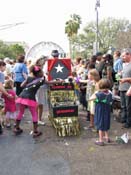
point(37, 134)
point(97, 142)
point(107, 140)
point(8, 126)
point(18, 131)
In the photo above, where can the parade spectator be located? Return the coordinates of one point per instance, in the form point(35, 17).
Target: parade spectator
point(82, 69)
point(9, 103)
point(123, 88)
point(117, 69)
point(107, 71)
point(28, 63)
point(99, 63)
point(41, 95)
point(103, 100)
point(2, 89)
point(76, 82)
point(77, 64)
point(82, 93)
point(123, 80)
point(118, 63)
point(93, 59)
point(20, 73)
point(8, 70)
point(91, 86)
point(90, 66)
point(105, 67)
point(94, 76)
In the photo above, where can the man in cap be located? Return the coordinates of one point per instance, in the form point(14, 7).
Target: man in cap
point(55, 53)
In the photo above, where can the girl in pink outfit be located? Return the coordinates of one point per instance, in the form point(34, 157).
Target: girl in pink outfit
point(27, 98)
point(9, 103)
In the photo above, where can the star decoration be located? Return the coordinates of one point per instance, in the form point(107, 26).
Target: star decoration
point(59, 68)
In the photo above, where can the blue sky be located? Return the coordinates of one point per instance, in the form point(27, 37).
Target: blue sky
point(44, 20)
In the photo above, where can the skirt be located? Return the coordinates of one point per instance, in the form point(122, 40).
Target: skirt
point(26, 102)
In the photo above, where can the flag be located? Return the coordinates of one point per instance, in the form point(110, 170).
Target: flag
point(59, 68)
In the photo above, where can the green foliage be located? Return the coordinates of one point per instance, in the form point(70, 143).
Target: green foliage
point(4, 50)
point(11, 51)
point(111, 33)
point(108, 30)
point(72, 25)
point(123, 40)
point(71, 29)
point(16, 50)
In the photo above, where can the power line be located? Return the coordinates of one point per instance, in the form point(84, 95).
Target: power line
point(7, 26)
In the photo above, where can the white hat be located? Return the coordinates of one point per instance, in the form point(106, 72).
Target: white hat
point(7, 59)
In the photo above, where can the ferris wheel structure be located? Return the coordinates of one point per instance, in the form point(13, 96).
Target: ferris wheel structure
point(44, 48)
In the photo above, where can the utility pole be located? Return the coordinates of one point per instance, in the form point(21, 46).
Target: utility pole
point(97, 24)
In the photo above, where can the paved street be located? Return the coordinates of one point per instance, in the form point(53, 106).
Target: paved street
point(53, 155)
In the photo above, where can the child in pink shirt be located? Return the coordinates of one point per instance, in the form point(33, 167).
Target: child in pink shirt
point(9, 103)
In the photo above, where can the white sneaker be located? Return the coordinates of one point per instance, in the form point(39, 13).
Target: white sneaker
point(41, 123)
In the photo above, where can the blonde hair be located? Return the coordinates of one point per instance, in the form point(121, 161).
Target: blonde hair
point(8, 84)
point(95, 74)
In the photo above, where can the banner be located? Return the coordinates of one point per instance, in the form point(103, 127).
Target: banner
point(59, 68)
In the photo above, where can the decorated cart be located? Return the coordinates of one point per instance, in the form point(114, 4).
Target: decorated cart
point(63, 111)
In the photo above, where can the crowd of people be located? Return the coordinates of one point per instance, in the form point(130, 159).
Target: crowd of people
point(95, 80)
point(19, 87)
point(109, 75)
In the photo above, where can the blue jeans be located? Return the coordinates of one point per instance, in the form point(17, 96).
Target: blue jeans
point(125, 107)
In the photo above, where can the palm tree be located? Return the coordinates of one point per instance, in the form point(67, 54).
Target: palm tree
point(71, 29)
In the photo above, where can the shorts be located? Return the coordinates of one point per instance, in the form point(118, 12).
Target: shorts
point(11, 115)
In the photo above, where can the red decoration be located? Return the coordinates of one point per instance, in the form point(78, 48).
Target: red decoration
point(65, 62)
